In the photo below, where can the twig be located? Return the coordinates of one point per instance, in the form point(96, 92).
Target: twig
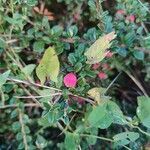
point(31, 83)
point(14, 106)
point(51, 88)
point(143, 25)
point(2, 96)
point(23, 130)
point(102, 138)
point(137, 83)
point(11, 41)
point(41, 96)
point(83, 98)
point(33, 98)
point(136, 127)
point(67, 126)
point(144, 6)
point(113, 81)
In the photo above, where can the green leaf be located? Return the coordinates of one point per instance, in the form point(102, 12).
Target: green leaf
point(29, 69)
point(91, 74)
point(2, 43)
point(3, 77)
point(72, 31)
point(138, 55)
point(92, 131)
point(43, 121)
point(99, 117)
point(125, 138)
point(16, 126)
point(143, 110)
point(78, 67)
point(41, 142)
point(56, 30)
point(19, 136)
point(122, 51)
point(115, 113)
point(71, 141)
point(49, 66)
point(38, 46)
point(31, 2)
point(72, 59)
point(129, 38)
point(20, 146)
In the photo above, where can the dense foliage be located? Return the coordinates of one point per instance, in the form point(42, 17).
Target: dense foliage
point(74, 74)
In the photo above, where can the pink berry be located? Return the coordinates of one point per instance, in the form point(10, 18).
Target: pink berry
point(105, 66)
point(102, 75)
point(70, 80)
point(130, 18)
point(120, 12)
point(109, 54)
point(95, 66)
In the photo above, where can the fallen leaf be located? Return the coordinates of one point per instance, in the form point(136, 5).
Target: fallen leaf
point(44, 11)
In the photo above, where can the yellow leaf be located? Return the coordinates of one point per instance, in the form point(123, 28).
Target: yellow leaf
point(49, 66)
point(97, 51)
point(94, 93)
point(98, 94)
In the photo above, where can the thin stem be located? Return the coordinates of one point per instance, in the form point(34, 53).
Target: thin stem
point(97, 137)
point(23, 130)
point(41, 96)
point(14, 106)
point(2, 96)
point(102, 138)
point(11, 41)
point(51, 88)
point(33, 98)
point(113, 81)
point(127, 147)
point(136, 127)
point(143, 25)
point(137, 83)
point(33, 84)
point(144, 6)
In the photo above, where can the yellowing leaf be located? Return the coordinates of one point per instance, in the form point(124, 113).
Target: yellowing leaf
point(49, 66)
point(97, 51)
point(98, 94)
point(95, 94)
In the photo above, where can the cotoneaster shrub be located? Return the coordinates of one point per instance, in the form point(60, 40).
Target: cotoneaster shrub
point(55, 95)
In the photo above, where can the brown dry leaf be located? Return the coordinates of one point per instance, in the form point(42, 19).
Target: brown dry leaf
point(44, 12)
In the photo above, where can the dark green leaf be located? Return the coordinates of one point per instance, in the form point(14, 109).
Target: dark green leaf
point(78, 67)
point(122, 51)
point(38, 46)
point(72, 59)
point(138, 55)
